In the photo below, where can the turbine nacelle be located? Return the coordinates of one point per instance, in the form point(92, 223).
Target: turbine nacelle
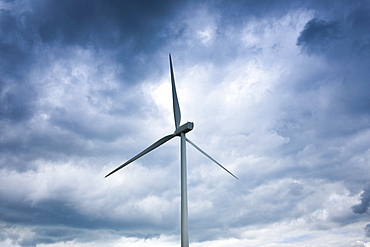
point(185, 128)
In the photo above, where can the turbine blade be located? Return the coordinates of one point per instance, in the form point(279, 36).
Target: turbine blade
point(175, 101)
point(147, 150)
point(200, 150)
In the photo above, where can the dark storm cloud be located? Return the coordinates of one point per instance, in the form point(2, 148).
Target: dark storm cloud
point(51, 212)
point(236, 11)
point(367, 230)
point(318, 35)
point(15, 43)
point(106, 23)
point(343, 36)
point(102, 24)
point(131, 29)
point(365, 202)
point(17, 94)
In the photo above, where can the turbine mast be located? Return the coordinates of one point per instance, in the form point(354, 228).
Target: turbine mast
point(184, 195)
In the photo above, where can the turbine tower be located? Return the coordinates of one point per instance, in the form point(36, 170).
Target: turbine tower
point(179, 131)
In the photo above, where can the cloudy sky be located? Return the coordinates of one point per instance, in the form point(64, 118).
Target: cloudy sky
point(278, 91)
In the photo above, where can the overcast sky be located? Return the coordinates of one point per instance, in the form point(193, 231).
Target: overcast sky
point(279, 93)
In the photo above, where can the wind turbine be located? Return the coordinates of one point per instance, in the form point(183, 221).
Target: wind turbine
point(179, 131)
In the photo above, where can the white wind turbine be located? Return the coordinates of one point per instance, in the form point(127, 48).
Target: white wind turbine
point(179, 131)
